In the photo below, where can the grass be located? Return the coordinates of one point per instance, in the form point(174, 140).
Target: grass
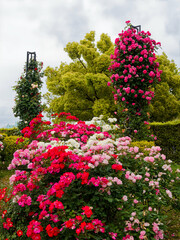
point(4, 178)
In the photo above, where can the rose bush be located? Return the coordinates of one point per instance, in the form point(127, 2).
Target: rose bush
point(134, 74)
point(76, 181)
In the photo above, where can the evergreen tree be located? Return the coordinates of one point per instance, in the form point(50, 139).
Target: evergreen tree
point(28, 96)
point(81, 86)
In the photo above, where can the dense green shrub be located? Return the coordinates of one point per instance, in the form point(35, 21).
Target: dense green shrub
point(168, 137)
point(10, 146)
point(142, 145)
point(10, 131)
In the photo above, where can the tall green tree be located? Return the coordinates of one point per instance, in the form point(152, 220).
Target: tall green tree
point(80, 87)
point(28, 96)
point(166, 103)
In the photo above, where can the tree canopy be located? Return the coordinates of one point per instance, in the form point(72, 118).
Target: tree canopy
point(80, 87)
point(166, 103)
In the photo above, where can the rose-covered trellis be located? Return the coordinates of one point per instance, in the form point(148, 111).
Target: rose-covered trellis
point(28, 96)
point(134, 74)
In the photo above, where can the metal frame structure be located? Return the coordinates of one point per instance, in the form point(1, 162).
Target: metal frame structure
point(30, 56)
point(138, 28)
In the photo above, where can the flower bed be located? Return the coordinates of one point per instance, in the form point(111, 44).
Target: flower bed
point(76, 181)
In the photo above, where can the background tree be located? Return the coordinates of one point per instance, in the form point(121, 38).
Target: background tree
point(166, 103)
point(28, 96)
point(80, 87)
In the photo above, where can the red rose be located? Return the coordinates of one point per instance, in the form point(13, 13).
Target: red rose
point(19, 233)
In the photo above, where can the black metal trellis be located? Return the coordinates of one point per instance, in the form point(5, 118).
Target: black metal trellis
point(138, 28)
point(30, 56)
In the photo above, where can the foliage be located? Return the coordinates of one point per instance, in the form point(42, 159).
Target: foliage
point(166, 103)
point(134, 73)
point(11, 144)
point(81, 183)
point(10, 131)
point(168, 137)
point(142, 145)
point(28, 96)
point(80, 87)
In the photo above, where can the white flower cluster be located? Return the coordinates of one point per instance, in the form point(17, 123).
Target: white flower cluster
point(98, 121)
point(34, 85)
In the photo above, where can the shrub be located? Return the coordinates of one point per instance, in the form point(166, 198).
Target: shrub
point(168, 137)
point(10, 131)
point(142, 145)
point(82, 184)
point(10, 146)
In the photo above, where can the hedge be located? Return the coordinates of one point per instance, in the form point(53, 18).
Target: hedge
point(168, 138)
point(10, 147)
point(10, 131)
point(142, 145)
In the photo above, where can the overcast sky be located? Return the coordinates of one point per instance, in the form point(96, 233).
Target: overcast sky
point(46, 26)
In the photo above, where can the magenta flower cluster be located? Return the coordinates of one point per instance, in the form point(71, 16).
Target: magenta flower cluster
point(134, 73)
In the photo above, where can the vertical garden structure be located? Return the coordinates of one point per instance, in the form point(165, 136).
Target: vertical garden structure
point(134, 75)
point(28, 96)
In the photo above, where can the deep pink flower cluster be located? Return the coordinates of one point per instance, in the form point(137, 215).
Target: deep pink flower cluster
point(134, 72)
point(24, 200)
point(34, 230)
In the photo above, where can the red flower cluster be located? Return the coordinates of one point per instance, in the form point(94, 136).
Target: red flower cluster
point(19, 233)
point(2, 193)
point(81, 226)
point(87, 211)
point(65, 115)
point(35, 127)
point(8, 224)
point(52, 232)
point(117, 167)
point(34, 230)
